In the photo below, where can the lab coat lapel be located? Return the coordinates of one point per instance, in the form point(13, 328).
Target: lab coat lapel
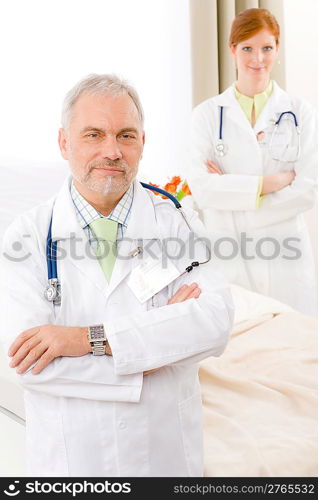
point(232, 111)
point(73, 241)
point(278, 102)
point(142, 228)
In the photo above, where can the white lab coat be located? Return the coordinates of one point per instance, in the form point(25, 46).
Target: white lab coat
point(227, 203)
point(99, 416)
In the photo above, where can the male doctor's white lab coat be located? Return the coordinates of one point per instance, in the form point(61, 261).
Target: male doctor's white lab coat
point(264, 248)
point(98, 415)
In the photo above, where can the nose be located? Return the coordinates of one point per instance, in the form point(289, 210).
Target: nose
point(258, 55)
point(111, 148)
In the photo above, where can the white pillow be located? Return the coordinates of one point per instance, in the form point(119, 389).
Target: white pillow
point(24, 186)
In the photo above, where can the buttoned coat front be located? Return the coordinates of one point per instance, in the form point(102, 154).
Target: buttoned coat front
point(100, 415)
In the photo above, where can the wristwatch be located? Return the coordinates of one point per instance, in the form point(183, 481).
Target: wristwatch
point(97, 338)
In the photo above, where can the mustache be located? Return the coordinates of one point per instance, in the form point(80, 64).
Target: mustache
point(118, 164)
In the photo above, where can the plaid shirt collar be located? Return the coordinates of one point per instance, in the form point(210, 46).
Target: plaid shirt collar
point(86, 213)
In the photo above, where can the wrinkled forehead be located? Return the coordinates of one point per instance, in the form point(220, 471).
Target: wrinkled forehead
point(107, 110)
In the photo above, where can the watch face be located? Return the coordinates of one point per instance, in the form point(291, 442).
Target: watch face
point(97, 333)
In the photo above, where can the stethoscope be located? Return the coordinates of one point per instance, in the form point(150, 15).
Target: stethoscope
point(53, 289)
point(221, 148)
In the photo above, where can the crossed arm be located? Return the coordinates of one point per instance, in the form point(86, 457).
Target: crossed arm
point(271, 182)
point(42, 344)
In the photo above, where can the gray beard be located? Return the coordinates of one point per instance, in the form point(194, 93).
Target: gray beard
point(110, 186)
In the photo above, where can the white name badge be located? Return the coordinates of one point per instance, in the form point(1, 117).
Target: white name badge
point(150, 277)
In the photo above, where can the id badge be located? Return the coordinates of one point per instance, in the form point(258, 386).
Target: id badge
point(149, 277)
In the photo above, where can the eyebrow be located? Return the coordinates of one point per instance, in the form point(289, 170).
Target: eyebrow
point(96, 129)
point(91, 129)
point(265, 43)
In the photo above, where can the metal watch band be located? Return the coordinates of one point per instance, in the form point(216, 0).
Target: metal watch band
point(97, 338)
point(99, 348)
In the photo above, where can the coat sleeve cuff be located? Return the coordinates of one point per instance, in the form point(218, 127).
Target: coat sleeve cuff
point(259, 195)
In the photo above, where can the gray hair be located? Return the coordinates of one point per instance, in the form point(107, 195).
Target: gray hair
point(99, 84)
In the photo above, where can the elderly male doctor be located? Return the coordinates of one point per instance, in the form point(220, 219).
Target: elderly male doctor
point(111, 380)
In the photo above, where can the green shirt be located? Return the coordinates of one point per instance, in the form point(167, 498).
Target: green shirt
point(258, 101)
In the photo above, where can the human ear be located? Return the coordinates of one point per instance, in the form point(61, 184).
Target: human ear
point(62, 140)
point(232, 50)
point(143, 138)
point(277, 50)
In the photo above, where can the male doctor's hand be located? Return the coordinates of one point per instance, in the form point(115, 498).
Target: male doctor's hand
point(42, 344)
point(45, 343)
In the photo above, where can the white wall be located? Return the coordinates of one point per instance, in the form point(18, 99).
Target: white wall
point(48, 45)
point(301, 42)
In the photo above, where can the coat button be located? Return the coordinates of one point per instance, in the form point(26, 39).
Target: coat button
point(122, 425)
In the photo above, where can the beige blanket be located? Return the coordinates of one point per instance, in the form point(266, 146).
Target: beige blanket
point(261, 396)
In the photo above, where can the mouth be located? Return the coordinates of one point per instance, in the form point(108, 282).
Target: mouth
point(256, 69)
point(109, 170)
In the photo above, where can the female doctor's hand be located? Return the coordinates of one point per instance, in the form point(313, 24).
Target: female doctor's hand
point(276, 182)
point(213, 168)
point(271, 182)
point(43, 344)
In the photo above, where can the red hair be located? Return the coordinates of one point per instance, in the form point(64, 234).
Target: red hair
point(249, 22)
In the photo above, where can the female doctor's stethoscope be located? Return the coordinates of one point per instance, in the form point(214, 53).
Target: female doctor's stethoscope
point(221, 148)
point(53, 289)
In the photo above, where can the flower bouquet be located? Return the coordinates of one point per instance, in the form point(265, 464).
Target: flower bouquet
point(178, 188)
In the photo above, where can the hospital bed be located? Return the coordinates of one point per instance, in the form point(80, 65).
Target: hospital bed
point(260, 398)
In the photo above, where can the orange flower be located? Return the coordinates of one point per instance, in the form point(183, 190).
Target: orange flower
point(185, 189)
point(170, 187)
point(176, 180)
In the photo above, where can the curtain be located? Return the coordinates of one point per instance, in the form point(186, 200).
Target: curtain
point(213, 69)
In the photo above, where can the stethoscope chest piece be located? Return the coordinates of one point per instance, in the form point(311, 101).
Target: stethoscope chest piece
point(52, 293)
point(220, 148)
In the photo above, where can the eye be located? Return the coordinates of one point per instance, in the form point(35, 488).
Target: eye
point(128, 136)
point(268, 48)
point(247, 49)
point(91, 136)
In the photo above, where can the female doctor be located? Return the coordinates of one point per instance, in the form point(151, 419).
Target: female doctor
point(253, 169)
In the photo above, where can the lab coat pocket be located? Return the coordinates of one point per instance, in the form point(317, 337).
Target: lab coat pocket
point(45, 444)
point(159, 299)
point(190, 414)
point(283, 142)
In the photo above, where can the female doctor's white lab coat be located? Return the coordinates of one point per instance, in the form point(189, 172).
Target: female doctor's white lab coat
point(99, 416)
point(265, 248)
